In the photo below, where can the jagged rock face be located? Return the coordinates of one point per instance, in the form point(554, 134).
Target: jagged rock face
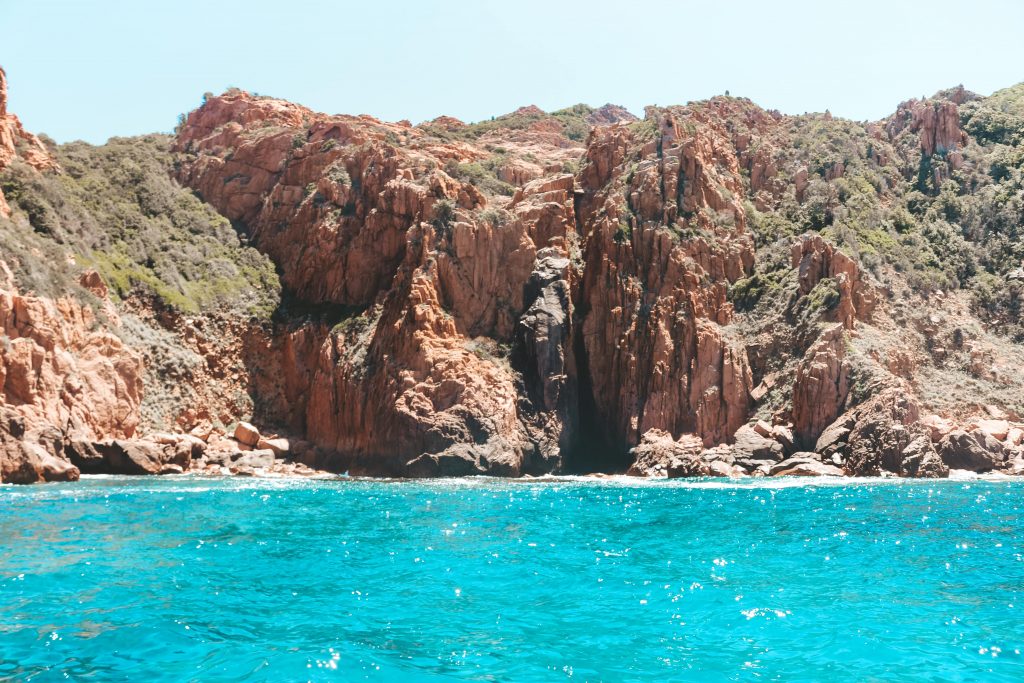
point(542, 348)
point(17, 143)
point(420, 376)
point(656, 353)
point(27, 456)
point(462, 300)
point(937, 123)
point(492, 334)
point(256, 157)
point(886, 436)
point(815, 259)
point(410, 384)
point(361, 200)
point(821, 386)
point(58, 366)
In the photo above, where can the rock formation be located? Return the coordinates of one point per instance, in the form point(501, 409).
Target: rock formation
point(28, 457)
point(58, 366)
point(821, 386)
point(658, 455)
point(17, 143)
point(703, 292)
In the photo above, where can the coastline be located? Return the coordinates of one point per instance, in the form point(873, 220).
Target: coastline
point(626, 480)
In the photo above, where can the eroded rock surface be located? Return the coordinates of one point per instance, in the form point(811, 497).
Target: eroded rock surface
point(17, 143)
point(537, 293)
point(659, 455)
point(59, 366)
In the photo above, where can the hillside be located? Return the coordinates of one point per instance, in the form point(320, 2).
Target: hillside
point(713, 289)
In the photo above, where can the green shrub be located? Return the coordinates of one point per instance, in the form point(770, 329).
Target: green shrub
point(443, 214)
point(479, 176)
point(117, 209)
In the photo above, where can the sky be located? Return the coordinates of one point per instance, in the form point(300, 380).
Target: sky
point(94, 69)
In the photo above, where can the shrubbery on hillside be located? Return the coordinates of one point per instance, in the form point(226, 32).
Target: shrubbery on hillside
point(116, 208)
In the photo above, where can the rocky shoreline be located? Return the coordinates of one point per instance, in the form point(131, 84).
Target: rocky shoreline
point(869, 444)
point(884, 438)
point(713, 290)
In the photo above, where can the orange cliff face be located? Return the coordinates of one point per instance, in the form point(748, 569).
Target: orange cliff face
point(17, 143)
point(363, 213)
point(655, 351)
point(532, 294)
point(574, 291)
point(59, 367)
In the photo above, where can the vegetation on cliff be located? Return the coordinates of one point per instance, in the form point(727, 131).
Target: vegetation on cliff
point(716, 285)
point(116, 208)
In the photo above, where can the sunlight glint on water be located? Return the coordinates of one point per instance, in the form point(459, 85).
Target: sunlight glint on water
point(179, 578)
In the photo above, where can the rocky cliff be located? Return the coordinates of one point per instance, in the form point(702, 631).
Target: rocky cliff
point(713, 289)
point(17, 143)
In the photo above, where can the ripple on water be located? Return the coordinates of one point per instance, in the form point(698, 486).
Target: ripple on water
point(591, 579)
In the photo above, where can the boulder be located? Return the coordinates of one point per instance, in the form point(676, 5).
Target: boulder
point(454, 462)
point(997, 429)
point(280, 447)
point(804, 465)
point(252, 460)
point(784, 435)
point(962, 450)
point(23, 462)
point(202, 432)
point(720, 453)
point(719, 468)
point(495, 457)
point(937, 426)
point(883, 428)
point(748, 444)
point(835, 436)
point(135, 456)
point(990, 443)
point(83, 454)
point(1015, 465)
point(659, 455)
point(193, 444)
point(247, 434)
point(30, 457)
point(920, 459)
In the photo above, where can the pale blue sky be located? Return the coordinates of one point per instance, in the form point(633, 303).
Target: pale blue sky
point(90, 70)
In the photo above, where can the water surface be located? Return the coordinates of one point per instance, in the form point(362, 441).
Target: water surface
point(179, 578)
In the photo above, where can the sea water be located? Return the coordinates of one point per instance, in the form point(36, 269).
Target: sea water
point(180, 578)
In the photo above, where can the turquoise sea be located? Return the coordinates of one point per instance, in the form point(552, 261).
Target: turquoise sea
point(176, 579)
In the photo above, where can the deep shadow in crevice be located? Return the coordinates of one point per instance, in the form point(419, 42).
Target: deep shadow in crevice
point(593, 450)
